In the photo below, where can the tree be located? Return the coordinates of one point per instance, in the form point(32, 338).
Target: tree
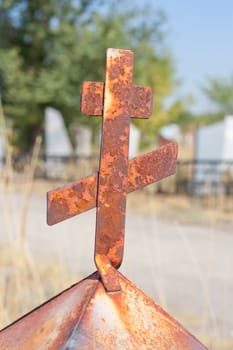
point(50, 47)
point(220, 92)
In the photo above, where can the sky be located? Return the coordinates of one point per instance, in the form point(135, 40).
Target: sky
point(201, 40)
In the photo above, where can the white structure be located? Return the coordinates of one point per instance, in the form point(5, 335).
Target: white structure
point(57, 142)
point(171, 132)
point(214, 143)
point(134, 141)
point(83, 135)
point(227, 152)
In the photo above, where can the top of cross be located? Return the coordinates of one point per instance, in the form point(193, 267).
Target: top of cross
point(135, 101)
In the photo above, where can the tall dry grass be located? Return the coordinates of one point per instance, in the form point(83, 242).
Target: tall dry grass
point(25, 280)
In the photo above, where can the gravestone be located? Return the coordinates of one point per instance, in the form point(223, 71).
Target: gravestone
point(83, 136)
point(57, 142)
point(134, 141)
point(213, 143)
point(170, 132)
point(228, 139)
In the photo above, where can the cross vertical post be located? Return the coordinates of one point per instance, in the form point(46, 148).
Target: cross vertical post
point(120, 100)
point(113, 173)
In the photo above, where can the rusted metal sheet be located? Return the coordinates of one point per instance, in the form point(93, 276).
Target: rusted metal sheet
point(87, 317)
point(81, 195)
point(49, 326)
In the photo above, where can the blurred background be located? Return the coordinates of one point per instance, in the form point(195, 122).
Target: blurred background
point(180, 227)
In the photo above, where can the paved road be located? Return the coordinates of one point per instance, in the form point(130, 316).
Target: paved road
point(187, 269)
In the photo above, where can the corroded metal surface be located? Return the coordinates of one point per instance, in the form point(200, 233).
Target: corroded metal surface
point(48, 327)
point(81, 195)
point(87, 317)
point(92, 98)
point(113, 172)
point(152, 166)
point(72, 199)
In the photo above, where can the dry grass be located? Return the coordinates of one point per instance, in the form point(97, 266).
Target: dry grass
point(26, 282)
point(181, 209)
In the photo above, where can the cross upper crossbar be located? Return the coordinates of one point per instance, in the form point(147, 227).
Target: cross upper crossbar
point(116, 100)
point(139, 101)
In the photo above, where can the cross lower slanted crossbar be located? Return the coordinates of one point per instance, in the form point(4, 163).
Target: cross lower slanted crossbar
point(81, 195)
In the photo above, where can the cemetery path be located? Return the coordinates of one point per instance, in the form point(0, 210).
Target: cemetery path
point(186, 269)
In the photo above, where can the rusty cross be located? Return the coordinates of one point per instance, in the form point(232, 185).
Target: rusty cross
point(116, 101)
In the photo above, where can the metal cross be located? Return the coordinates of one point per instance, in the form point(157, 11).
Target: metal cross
point(116, 100)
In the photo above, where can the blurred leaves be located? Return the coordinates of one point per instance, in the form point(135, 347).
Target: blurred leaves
point(50, 47)
point(220, 92)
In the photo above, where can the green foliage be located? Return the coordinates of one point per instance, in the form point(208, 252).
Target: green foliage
point(184, 119)
point(207, 119)
point(220, 92)
point(50, 47)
